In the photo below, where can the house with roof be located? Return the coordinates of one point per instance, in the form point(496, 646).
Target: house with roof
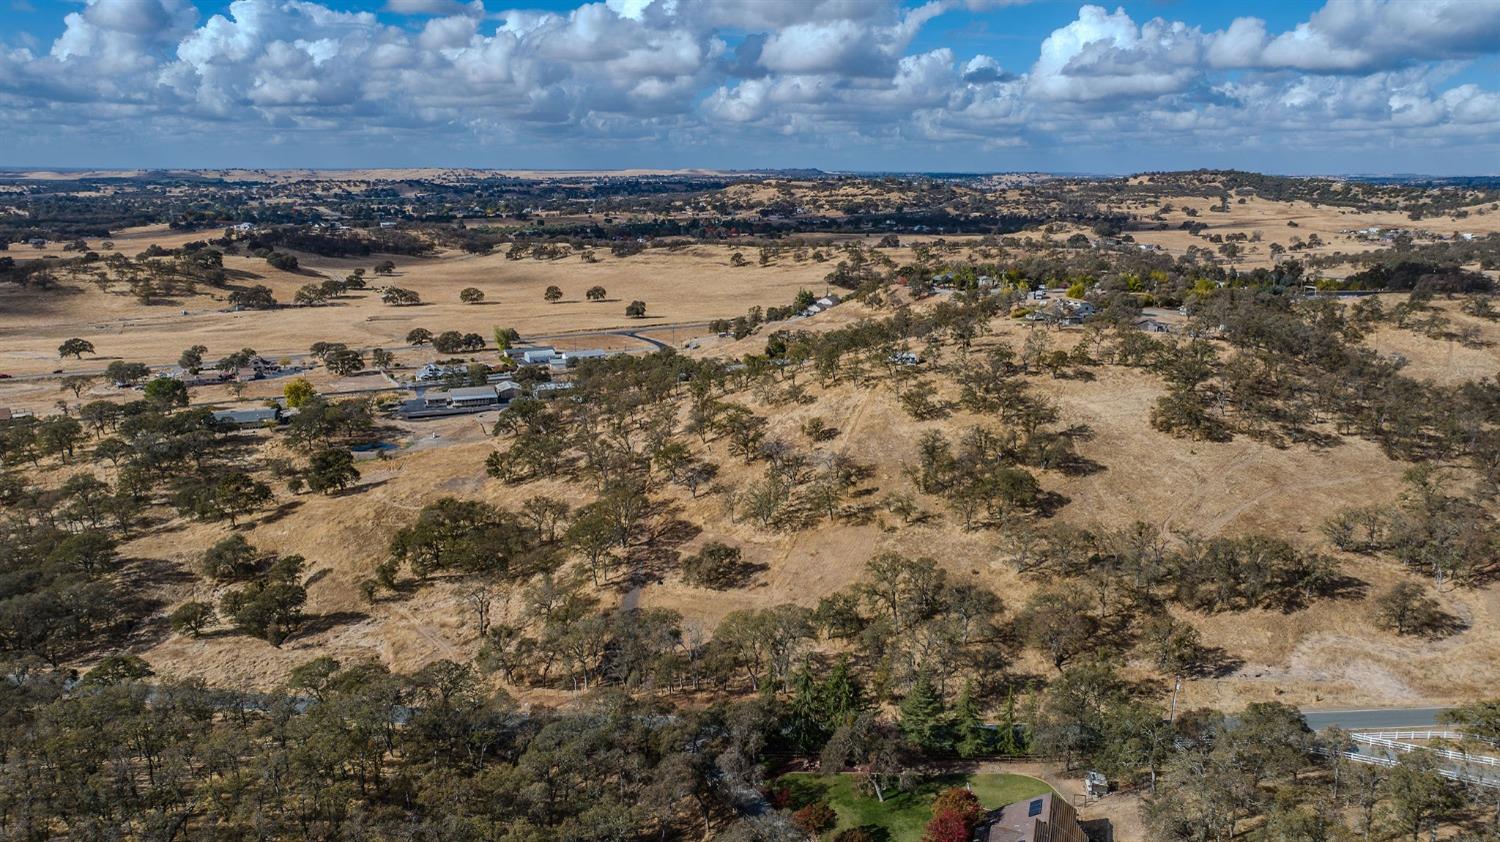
point(507, 389)
point(260, 416)
point(256, 368)
point(539, 354)
point(1046, 818)
point(1063, 311)
point(569, 358)
point(434, 371)
point(473, 396)
point(206, 377)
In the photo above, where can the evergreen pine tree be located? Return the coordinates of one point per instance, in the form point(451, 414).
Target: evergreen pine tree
point(840, 697)
point(806, 727)
point(923, 714)
point(1008, 742)
point(974, 740)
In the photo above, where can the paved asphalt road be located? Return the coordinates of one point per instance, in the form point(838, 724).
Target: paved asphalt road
point(1382, 719)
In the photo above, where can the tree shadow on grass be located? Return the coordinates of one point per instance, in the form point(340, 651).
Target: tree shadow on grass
point(277, 514)
point(358, 488)
point(144, 573)
point(735, 576)
point(1215, 662)
point(319, 623)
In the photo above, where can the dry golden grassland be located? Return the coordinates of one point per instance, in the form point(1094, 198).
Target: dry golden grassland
point(1269, 218)
point(687, 286)
point(1329, 655)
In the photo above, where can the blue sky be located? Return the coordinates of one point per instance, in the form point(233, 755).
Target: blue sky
point(976, 85)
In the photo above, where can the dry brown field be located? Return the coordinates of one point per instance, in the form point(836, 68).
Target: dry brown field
point(1327, 656)
point(683, 287)
point(1269, 219)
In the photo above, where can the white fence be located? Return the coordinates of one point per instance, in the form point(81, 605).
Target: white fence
point(1450, 774)
point(1429, 734)
point(1446, 754)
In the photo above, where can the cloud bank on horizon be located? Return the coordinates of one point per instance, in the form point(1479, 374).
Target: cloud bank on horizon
point(1356, 85)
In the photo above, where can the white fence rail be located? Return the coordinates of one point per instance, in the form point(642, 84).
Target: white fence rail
point(1450, 774)
point(1426, 734)
point(1446, 754)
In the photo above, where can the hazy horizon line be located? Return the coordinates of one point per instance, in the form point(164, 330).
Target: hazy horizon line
point(749, 171)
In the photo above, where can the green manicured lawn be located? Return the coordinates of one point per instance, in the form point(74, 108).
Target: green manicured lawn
point(903, 814)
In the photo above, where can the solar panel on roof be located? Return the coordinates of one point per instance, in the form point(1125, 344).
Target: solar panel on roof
point(1034, 808)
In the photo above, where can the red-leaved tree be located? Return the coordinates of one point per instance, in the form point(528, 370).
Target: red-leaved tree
point(961, 801)
point(947, 827)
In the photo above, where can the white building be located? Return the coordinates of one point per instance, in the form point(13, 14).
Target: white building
point(473, 396)
point(433, 371)
point(567, 358)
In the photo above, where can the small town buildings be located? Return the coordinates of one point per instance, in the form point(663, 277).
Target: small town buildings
point(1047, 818)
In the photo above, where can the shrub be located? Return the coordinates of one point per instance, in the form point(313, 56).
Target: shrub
point(947, 827)
point(717, 565)
point(1407, 609)
point(398, 297)
point(815, 818)
point(961, 801)
point(298, 392)
point(192, 617)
